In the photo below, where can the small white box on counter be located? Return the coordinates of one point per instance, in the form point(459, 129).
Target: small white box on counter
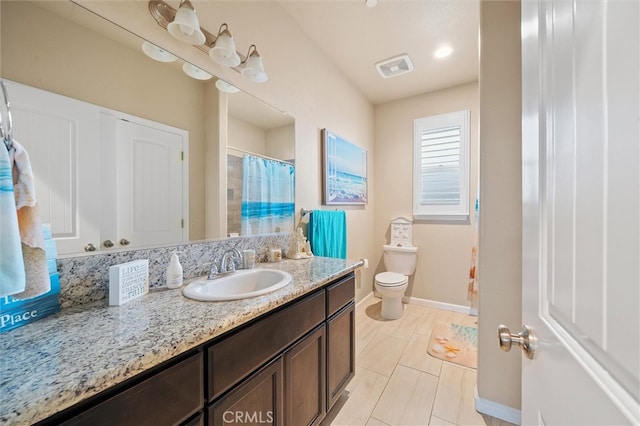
point(128, 281)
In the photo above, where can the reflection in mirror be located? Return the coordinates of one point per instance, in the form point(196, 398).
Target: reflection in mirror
point(102, 65)
point(260, 171)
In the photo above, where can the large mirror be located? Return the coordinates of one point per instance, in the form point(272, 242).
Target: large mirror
point(111, 200)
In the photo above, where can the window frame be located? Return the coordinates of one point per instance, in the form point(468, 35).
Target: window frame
point(442, 212)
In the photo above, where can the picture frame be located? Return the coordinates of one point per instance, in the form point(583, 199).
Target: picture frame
point(344, 171)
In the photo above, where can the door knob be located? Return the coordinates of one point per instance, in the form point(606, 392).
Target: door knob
point(124, 242)
point(526, 339)
point(90, 247)
point(107, 243)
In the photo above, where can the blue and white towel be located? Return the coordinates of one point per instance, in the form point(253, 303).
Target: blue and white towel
point(33, 247)
point(12, 273)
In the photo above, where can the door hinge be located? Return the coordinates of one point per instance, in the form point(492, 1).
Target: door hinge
point(181, 155)
point(182, 223)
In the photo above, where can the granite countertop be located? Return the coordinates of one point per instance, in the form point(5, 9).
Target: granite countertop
point(54, 363)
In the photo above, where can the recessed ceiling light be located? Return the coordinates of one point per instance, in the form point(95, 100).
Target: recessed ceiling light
point(443, 52)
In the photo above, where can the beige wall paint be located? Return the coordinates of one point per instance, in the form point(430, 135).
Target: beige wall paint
point(245, 136)
point(442, 272)
point(281, 142)
point(500, 265)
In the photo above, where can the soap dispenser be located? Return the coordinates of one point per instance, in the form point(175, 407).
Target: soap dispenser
point(174, 271)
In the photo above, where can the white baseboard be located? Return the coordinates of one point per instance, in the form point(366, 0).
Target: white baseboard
point(425, 302)
point(365, 299)
point(493, 409)
point(437, 305)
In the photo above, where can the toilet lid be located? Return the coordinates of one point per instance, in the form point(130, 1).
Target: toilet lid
point(390, 279)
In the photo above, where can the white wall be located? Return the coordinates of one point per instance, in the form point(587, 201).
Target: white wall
point(500, 264)
point(444, 256)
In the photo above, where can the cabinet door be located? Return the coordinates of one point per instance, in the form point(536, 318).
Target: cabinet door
point(256, 401)
point(62, 137)
point(305, 373)
point(167, 398)
point(340, 352)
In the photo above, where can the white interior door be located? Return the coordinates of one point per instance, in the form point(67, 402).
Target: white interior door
point(151, 188)
point(581, 215)
point(62, 138)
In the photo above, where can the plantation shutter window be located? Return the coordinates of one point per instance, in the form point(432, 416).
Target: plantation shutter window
point(441, 167)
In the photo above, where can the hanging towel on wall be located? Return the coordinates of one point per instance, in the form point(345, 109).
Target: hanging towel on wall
point(12, 276)
point(33, 247)
point(328, 233)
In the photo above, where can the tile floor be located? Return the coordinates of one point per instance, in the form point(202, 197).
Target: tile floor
point(397, 382)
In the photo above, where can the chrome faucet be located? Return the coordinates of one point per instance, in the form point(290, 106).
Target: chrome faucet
point(225, 267)
point(230, 254)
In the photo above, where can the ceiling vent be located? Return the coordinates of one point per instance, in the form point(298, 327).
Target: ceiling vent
point(395, 66)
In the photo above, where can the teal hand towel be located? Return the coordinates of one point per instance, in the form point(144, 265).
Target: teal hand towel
point(328, 233)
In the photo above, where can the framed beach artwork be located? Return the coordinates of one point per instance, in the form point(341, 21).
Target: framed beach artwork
point(344, 171)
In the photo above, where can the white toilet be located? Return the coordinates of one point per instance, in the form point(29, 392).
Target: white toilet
point(400, 258)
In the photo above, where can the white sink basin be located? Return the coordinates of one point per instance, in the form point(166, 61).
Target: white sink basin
point(238, 285)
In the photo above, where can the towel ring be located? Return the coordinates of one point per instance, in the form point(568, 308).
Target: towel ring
point(5, 118)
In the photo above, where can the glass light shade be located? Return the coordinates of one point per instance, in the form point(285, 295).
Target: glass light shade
point(224, 51)
point(254, 69)
point(225, 87)
point(157, 53)
point(185, 26)
point(195, 72)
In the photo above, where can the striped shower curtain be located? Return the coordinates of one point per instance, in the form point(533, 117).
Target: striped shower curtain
point(268, 193)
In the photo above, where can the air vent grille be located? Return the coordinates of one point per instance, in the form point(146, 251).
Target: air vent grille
point(395, 66)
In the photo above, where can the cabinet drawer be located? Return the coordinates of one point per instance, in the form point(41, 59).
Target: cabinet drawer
point(340, 293)
point(233, 358)
point(169, 398)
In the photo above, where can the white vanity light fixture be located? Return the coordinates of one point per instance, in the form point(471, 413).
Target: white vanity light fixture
point(186, 26)
point(253, 67)
point(183, 24)
point(225, 87)
point(157, 53)
point(195, 72)
point(224, 49)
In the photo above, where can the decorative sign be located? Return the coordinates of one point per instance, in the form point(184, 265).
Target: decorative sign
point(128, 281)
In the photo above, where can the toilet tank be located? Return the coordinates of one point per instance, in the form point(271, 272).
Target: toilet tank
point(401, 260)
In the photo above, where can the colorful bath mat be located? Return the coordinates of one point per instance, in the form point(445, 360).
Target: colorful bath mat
point(454, 343)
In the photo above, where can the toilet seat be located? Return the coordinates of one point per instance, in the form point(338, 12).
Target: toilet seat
point(391, 279)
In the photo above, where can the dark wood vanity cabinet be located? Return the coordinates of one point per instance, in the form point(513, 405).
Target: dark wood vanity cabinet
point(313, 338)
point(305, 380)
point(257, 400)
point(171, 396)
point(285, 368)
point(341, 361)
